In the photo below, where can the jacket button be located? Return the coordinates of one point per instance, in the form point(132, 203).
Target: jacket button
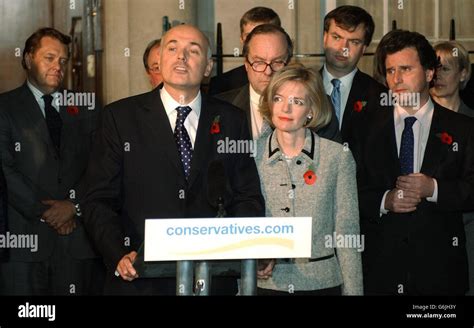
point(293, 186)
point(298, 162)
point(286, 209)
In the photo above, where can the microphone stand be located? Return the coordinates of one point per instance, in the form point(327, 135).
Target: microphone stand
point(203, 274)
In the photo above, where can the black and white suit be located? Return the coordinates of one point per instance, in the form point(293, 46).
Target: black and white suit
point(241, 98)
point(422, 252)
point(34, 171)
point(136, 174)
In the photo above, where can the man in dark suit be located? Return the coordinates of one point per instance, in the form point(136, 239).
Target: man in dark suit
point(267, 49)
point(348, 32)
point(3, 214)
point(45, 138)
point(152, 158)
point(237, 77)
point(415, 177)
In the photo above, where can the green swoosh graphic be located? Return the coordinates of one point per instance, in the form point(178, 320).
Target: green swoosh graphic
point(287, 243)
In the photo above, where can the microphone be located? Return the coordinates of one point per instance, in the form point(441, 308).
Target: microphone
point(216, 186)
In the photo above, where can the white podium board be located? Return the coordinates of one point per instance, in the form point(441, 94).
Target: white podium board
point(227, 238)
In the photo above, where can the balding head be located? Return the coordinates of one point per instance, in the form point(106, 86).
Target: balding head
point(185, 60)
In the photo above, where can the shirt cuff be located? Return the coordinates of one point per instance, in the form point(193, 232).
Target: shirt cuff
point(434, 198)
point(382, 204)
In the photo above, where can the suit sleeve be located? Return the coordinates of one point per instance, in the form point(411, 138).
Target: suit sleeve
point(23, 194)
point(248, 200)
point(347, 224)
point(101, 202)
point(369, 196)
point(92, 122)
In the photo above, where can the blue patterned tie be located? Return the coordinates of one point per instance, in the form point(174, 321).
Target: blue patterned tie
point(336, 97)
point(407, 146)
point(183, 142)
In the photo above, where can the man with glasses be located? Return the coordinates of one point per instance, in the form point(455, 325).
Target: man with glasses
point(150, 61)
point(267, 49)
point(237, 77)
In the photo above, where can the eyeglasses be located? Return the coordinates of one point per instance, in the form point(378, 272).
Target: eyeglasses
point(261, 66)
point(154, 69)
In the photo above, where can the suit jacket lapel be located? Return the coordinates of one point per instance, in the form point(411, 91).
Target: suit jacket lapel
point(357, 89)
point(385, 143)
point(157, 125)
point(32, 112)
point(242, 100)
point(203, 144)
point(435, 150)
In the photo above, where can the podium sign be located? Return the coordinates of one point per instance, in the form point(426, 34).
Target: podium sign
point(227, 238)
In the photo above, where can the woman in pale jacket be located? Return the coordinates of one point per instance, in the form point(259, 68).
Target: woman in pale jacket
point(302, 174)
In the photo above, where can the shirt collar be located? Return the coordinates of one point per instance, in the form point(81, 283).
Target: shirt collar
point(346, 80)
point(254, 96)
point(39, 95)
point(307, 154)
point(420, 114)
point(170, 104)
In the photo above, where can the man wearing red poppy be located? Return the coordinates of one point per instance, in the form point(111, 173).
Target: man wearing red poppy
point(348, 32)
point(45, 150)
point(415, 178)
point(152, 160)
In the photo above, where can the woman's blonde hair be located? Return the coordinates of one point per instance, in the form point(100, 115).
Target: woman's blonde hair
point(321, 111)
point(457, 56)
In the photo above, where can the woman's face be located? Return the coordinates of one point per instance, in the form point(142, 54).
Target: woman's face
point(290, 107)
point(448, 77)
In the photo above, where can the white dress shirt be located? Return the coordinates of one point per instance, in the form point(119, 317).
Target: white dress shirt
point(192, 120)
point(345, 87)
point(39, 97)
point(421, 132)
point(255, 116)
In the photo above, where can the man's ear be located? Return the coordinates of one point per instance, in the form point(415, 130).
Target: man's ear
point(463, 76)
point(429, 73)
point(28, 60)
point(210, 64)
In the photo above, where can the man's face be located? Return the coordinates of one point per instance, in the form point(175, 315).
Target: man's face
point(46, 66)
point(405, 75)
point(183, 60)
point(268, 48)
point(343, 49)
point(153, 71)
point(247, 28)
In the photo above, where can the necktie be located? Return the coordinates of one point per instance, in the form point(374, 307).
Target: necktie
point(407, 146)
point(183, 142)
point(53, 121)
point(336, 97)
